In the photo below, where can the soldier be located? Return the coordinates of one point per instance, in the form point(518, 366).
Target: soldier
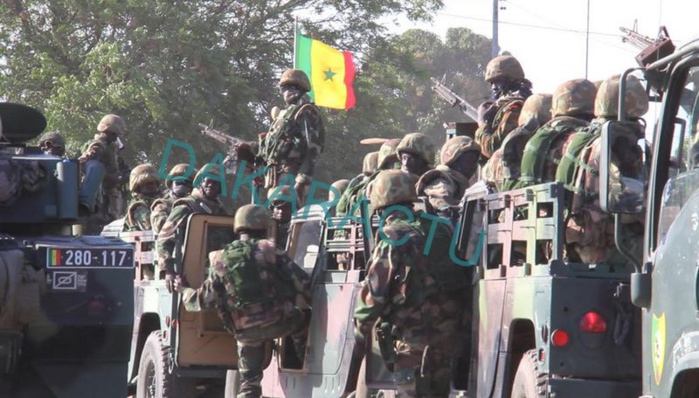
point(143, 184)
point(416, 153)
point(293, 143)
point(178, 186)
point(445, 185)
point(340, 186)
point(53, 143)
point(498, 117)
point(403, 291)
point(100, 167)
point(205, 198)
point(370, 163)
point(261, 295)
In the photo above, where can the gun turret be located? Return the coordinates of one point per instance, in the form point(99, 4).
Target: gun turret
point(453, 99)
point(651, 49)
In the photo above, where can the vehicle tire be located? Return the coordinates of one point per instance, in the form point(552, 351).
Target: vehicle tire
point(232, 384)
point(154, 379)
point(529, 381)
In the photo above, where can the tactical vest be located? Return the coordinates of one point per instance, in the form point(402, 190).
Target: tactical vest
point(252, 283)
point(353, 193)
point(449, 276)
point(537, 151)
point(571, 164)
point(284, 134)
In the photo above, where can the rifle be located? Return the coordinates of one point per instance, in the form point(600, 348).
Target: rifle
point(452, 98)
point(651, 49)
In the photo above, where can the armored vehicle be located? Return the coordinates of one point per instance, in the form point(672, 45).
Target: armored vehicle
point(66, 301)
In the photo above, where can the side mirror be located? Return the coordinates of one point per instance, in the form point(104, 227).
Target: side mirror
point(622, 182)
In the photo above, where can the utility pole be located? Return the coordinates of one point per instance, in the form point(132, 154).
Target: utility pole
point(496, 47)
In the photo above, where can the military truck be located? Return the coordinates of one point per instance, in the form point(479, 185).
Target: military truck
point(66, 301)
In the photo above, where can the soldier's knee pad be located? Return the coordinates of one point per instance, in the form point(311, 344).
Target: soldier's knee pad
point(89, 188)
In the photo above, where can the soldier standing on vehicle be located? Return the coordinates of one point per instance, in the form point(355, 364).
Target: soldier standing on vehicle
point(416, 153)
point(498, 117)
point(445, 184)
point(143, 184)
point(178, 186)
point(403, 292)
point(102, 176)
point(52, 143)
point(261, 295)
point(205, 198)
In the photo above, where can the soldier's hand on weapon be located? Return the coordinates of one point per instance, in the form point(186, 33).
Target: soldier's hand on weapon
point(170, 278)
point(244, 151)
point(179, 284)
point(486, 113)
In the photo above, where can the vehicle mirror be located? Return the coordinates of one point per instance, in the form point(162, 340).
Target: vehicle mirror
point(622, 182)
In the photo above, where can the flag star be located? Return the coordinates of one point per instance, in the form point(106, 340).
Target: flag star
point(329, 74)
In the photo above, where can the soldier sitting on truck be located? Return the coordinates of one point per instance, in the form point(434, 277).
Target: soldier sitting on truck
point(260, 293)
point(143, 184)
point(178, 186)
point(416, 153)
point(52, 143)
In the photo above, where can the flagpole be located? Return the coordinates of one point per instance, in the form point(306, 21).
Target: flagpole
point(296, 30)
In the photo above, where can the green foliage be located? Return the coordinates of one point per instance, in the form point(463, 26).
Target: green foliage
point(165, 66)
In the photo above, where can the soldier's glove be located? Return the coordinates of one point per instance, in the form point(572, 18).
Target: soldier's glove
point(170, 278)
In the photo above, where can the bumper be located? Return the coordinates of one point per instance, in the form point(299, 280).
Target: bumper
point(593, 388)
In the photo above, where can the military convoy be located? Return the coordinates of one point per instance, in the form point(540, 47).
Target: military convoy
point(66, 301)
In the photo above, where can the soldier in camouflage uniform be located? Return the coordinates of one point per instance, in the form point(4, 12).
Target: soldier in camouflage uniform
point(416, 153)
point(53, 143)
point(205, 198)
point(340, 186)
point(178, 186)
point(505, 162)
point(291, 147)
point(445, 185)
point(497, 118)
point(260, 293)
point(143, 184)
point(102, 177)
point(411, 294)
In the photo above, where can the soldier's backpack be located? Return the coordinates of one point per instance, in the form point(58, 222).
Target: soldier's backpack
point(353, 193)
point(571, 164)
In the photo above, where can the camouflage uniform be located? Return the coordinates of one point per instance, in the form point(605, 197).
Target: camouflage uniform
point(589, 231)
point(418, 145)
point(138, 213)
point(161, 207)
point(195, 203)
point(505, 162)
point(295, 140)
point(53, 143)
point(341, 186)
point(499, 117)
point(402, 288)
point(445, 186)
point(260, 294)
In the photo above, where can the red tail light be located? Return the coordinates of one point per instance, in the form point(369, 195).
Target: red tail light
point(593, 322)
point(560, 338)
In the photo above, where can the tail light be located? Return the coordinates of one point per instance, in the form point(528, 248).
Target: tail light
point(593, 322)
point(560, 338)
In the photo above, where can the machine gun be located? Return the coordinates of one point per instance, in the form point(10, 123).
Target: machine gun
point(651, 49)
point(231, 160)
point(453, 99)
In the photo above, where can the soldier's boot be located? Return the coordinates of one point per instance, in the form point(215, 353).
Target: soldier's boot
point(94, 172)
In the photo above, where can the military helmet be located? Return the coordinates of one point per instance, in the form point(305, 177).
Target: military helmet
point(10, 181)
point(574, 97)
point(251, 217)
point(54, 137)
point(340, 185)
point(538, 107)
point(209, 169)
point(504, 66)
point(296, 78)
point(178, 170)
point(456, 146)
point(371, 161)
point(607, 100)
point(112, 123)
point(417, 144)
point(141, 174)
point(387, 150)
point(392, 187)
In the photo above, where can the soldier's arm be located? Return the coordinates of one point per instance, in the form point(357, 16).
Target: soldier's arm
point(373, 298)
point(158, 215)
point(167, 238)
point(94, 150)
point(440, 194)
point(309, 121)
point(141, 218)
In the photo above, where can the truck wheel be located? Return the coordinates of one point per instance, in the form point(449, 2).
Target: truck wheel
point(232, 384)
point(154, 380)
point(529, 381)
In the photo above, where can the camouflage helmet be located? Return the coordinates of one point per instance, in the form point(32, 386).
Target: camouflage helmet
point(607, 100)
point(456, 146)
point(112, 123)
point(574, 97)
point(209, 169)
point(142, 174)
point(392, 187)
point(179, 170)
point(296, 78)
point(371, 162)
point(251, 217)
point(387, 150)
point(10, 181)
point(505, 66)
point(54, 137)
point(417, 144)
point(340, 185)
point(537, 107)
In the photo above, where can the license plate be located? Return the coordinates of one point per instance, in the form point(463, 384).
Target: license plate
point(89, 258)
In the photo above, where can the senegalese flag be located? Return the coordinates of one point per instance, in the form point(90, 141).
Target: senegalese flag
point(331, 72)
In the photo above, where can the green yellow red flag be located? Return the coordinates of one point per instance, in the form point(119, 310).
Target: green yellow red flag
point(331, 72)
